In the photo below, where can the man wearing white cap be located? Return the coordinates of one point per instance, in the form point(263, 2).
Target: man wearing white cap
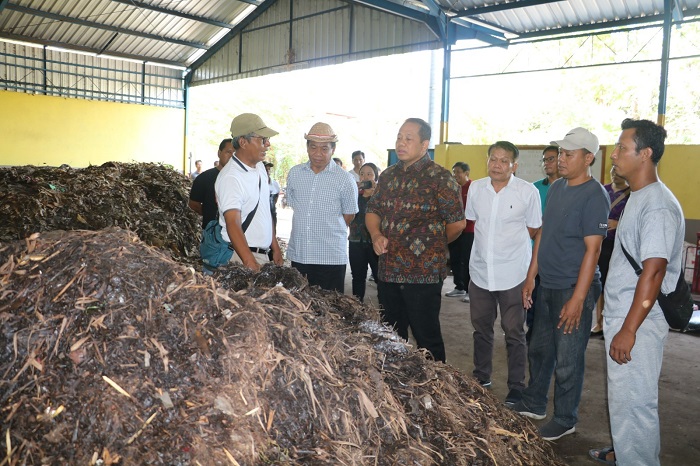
point(324, 199)
point(243, 194)
point(565, 254)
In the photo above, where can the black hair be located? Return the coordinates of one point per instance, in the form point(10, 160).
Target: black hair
point(424, 131)
point(506, 146)
point(550, 148)
point(223, 143)
point(461, 165)
point(374, 169)
point(647, 134)
point(358, 152)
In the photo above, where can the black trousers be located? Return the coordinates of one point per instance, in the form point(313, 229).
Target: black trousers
point(460, 252)
point(417, 306)
point(361, 255)
point(328, 277)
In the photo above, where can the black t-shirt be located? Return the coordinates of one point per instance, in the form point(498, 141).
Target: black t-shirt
point(203, 191)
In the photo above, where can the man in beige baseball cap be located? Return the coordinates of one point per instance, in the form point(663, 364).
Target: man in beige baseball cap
point(324, 199)
point(243, 195)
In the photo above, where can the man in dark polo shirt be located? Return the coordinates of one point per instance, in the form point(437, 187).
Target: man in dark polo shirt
point(416, 210)
point(202, 196)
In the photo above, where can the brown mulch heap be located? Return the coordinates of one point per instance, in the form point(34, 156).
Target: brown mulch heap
point(146, 198)
point(112, 353)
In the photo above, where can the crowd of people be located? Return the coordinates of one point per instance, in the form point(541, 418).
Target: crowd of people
point(545, 256)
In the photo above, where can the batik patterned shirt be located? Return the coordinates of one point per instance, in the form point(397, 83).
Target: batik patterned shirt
point(415, 204)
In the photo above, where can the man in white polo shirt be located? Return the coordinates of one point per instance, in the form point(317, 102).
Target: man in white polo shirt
point(243, 195)
point(507, 215)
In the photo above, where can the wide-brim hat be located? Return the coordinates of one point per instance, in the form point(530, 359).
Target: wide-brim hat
point(247, 123)
point(321, 132)
point(579, 138)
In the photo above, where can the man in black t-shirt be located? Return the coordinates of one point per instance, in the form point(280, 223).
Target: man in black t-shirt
point(202, 195)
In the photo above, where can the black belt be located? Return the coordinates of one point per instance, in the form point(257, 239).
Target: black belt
point(258, 250)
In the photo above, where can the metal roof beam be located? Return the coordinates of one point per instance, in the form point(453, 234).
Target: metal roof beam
point(3, 4)
point(503, 6)
point(168, 11)
point(92, 24)
point(603, 26)
point(230, 35)
point(79, 48)
point(399, 10)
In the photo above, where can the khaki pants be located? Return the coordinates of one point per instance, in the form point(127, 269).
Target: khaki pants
point(260, 258)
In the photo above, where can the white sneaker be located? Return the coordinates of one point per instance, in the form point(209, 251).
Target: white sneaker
point(465, 299)
point(455, 293)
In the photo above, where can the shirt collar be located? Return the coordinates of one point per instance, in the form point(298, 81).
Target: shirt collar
point(417, 165)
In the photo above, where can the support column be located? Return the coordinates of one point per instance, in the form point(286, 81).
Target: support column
point(445, 111)
point(665, 53)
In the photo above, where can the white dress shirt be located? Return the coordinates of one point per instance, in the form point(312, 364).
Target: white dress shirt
point(502, 248)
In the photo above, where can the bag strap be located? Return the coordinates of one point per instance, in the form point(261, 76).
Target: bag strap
point(620, 199)
point(249, 218)
point(632, 262)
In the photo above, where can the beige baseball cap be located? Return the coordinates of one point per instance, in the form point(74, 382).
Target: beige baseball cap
point(321, 132)
point(247, 123)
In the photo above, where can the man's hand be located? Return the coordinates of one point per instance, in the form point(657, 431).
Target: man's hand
point(621, 346)
point(252, 264)
point(277, 257)
point(379, 243)
point(528, 288)
point(570, 315)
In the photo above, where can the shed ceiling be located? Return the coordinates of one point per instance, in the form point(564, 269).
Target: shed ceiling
point(179, 32)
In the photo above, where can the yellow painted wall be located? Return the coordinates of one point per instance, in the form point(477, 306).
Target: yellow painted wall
point(679, 169)
point(44, 130)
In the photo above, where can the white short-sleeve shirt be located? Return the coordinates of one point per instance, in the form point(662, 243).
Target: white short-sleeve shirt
point(241, 187)
point(502, 248)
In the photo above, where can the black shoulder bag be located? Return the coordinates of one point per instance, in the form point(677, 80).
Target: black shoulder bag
point(677, 305)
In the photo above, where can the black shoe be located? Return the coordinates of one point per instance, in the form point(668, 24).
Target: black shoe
point(513, 397)
point(484, 383)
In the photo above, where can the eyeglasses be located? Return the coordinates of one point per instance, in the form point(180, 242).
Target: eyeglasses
point(264, 139)
point(549, 159)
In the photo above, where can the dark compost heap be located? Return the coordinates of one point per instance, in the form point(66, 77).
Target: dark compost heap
point(112, 353)
point(146, 198)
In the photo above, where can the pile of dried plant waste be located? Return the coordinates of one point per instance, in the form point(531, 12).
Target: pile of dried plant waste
point(111, 353)
point(146, 198)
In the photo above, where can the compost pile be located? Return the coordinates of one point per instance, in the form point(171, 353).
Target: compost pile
point(149, 199)
point(112, 353)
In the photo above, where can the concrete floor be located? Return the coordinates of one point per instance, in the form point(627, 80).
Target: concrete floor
point(679, 387)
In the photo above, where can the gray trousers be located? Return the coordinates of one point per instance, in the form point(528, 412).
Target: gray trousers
point(484, 309)
point(633, 393)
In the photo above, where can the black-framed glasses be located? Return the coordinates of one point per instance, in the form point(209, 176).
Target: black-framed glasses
point(551, 158)
point(264, 139)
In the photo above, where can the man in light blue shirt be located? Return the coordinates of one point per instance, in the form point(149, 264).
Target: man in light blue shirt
point(324, 199)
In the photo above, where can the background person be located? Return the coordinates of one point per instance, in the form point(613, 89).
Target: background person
point(197, 171)
point(360, 246)
point(202, 195)
point(461, 248)
point(358, 159)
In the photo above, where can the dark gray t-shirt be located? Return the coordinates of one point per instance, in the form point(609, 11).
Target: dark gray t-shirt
point(571, 213)
point(652, 226)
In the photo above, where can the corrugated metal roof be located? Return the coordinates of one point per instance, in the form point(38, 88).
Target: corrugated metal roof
point(176, 32)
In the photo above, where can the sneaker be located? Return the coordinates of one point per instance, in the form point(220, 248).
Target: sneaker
point(484, 383)
point(465, 299)
point(513, 397)
point(455, 293)
point(520, 408)
point(553, 430)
